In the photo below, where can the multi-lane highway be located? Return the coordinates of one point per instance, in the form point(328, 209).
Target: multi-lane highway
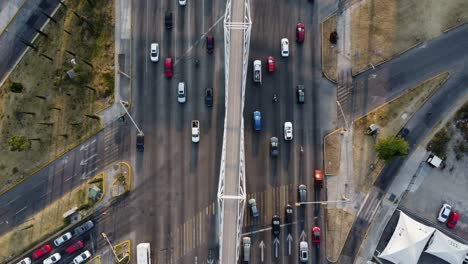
point(273, 182)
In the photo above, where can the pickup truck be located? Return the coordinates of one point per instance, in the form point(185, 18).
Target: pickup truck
point(257, 71)
point(195, 131)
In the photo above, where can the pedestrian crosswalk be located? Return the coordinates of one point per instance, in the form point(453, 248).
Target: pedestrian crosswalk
point(270, 202)
point(370, 205)
point(194, 232)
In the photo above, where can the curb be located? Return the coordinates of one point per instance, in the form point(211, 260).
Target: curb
point(455, 26)
point(129, 248)
point(321, 48)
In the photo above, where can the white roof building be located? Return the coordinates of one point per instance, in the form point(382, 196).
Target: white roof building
point(407, 242)
point(447, 248)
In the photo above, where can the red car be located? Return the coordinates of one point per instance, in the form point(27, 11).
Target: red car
point(453, 219)
point(42, 251)
point(74, 247)
point(316, 235)
point(318, 177)
point(168, 67)
point(271, 64)
point(300, 32)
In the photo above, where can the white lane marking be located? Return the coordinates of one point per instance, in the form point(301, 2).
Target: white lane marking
point(13, 200)
point(46, 194)
point(24, 208)
point(201, 37)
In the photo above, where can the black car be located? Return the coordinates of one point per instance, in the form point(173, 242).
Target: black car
point(275, 225)
point(209, 44)
point(404, 132)
point(209, 97)
point(168, 19)
point(140, 141)
point(300, 92)
point(274, 146)
point(288, 213)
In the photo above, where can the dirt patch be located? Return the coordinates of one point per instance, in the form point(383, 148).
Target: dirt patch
point(338, 225)
point(329, 51)
point(383, 29)
point(332, 152)
point(390, 117)
point(52, 111)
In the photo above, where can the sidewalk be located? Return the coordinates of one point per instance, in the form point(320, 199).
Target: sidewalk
point(123, 61)
point(400, 184)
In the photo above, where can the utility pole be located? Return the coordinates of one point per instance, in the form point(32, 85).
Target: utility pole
point(344, 200)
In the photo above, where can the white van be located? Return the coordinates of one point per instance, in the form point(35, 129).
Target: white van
point(144, 253)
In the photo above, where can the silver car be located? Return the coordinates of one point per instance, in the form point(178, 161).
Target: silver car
point(303, 251)
point(253, 207)
point(302, 193)
point(62, 239)
point(181, 93)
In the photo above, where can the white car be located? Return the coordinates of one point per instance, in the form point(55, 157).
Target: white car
point(52, 259)
point(62, 239)
point(182, 2)
point(288, 131)
point(181, 93)
point(195, 131)
point(154, 54)
point(303, 251)
point(444, 213)
point(25, 261)
point(284, 47)
point(82, 257)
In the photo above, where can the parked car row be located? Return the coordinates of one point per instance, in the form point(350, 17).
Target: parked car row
point(62, 239)
point(447, 214)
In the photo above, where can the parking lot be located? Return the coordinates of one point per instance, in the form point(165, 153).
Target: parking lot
point(432, 187)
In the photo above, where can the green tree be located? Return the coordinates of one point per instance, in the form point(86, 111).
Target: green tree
point(390, 147)
point(18, 143)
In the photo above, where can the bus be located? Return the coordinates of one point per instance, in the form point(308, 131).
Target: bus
point(143, 253)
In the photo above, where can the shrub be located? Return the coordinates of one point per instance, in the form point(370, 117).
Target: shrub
point(16, 87)
point(438, 144)
point(18, 143)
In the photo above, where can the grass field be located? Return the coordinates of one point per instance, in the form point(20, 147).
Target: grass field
point(55, 112)
point(383, 29)
point(329, 52)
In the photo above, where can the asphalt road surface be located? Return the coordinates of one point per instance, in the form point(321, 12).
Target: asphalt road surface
point(273, 182)
point(446, 53)
point(172, 205)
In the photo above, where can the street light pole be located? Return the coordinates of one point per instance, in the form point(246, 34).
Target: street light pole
point(110, 245)
point(133, 121)
point(323, 202)
point(344, 117)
